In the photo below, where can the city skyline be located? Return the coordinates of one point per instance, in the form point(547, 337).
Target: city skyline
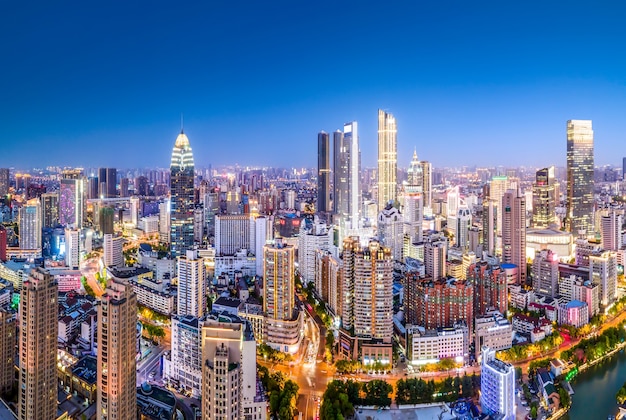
point(472, 79)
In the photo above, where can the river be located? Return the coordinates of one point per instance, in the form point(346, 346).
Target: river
point(595, 389)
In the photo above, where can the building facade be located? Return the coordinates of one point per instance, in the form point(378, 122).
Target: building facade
point(580, 181)
point(182, 196)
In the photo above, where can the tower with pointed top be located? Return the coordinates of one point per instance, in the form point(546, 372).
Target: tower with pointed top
point(181, 196)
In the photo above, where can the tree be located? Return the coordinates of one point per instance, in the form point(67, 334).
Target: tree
point(377, 393)
point(565, 398)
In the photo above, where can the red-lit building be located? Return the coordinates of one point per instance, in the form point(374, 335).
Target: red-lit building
point(444, 302)
point(490, 287)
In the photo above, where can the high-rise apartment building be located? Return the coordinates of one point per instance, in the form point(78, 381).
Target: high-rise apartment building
point(603, 272)
point(351, 247)
point(192, 284)
point(234, 232)
point(323, 172)
point(283, 320)
point(443, 303)
point(545, 198)
point(229, 386)
point(545, 271)
point(182, 196)
point(580, 182)
point(391, 230)
point(514, 232)
point(435, 254)
point(186, 356)
point(30, 225)
point(463, 224)
point(7, 349)
point(387, 159)
point(113, 250)
point(117, 348)
point(327, 278)
point(373, 292)
point(611, 229)
point(4, 181)
point(313, 237)
point(49, 209)
point(72, 248)
point(347, 166)
point(490, 223)
point(497, 386)
point(490, 287)
point(427, 183)
point(37, 391)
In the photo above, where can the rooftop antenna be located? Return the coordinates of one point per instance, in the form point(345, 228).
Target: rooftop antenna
point(182, 123)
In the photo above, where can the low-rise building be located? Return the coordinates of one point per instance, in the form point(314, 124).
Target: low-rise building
point(575, 313)
point(493, 331)
point(430, 346)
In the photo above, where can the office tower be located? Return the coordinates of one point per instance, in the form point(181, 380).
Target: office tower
point(373, 293)
point(490, 223)
point(463, 224)
point(7, 348)
point(124, 187)
point(545, 271)
point(71, 198)
point(327, 276)
point(545, 198)
point(141, 186)
point(111, 182)
point(391, 230)
point(282, 321)
point(414, 200)
point(497, 187)
point(113, 250)
point(72, 248)
point(351, 247)
point(580, 182)
point(186, 356)
point(312, 237)
point(192, 284)
point(106, 219)
point(181, 196)
point(347, 166)
point(262, 226)
point(611, 229)
point(234, 232)
point(435, 254)
point(102, 177)
point(92, 187)
point(603, 272)
point(117, 348)
point(3, 243)
point(443, 303)
point(37, 391)
point(198, 224)
point(323, 172)
point(4, 181)
point(497, 386)
point(49, 209)
point(514, 232)
point(387, 159)
point(30, 225)
point(134, 210)
point(229, 386)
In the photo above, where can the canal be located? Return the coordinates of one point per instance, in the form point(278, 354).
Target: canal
point(595, 389)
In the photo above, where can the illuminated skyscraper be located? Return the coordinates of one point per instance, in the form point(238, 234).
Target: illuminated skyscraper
point(181, 196)
point(341, 174)
point(414, 200)
point(49, 209)
point(387, 159)
point(580, 161)
point(37, 391)
point(323, 172)
point(117, 347)
point(192, 284)
point(71, 198)
point(427, 183)
point(545, 198)
point(7, 349)
point(347, 165)
point(514, 231)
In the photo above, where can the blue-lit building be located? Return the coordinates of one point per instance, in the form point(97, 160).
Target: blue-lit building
point(497, 386)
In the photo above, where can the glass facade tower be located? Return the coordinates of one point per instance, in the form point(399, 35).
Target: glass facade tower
point(579, 177)
point(181, 196)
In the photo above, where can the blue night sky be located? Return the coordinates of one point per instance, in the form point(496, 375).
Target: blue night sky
point(470, 83)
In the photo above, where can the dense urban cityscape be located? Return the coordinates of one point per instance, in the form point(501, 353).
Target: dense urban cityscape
point(400, 291)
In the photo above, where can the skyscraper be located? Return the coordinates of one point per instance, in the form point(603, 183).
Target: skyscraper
point(181, 196)
point(580, 165)
point(347, 190)
point(30, 225)
point(611, 229)
point(7, 349)
point(427, 183)
point(546, 273)
point(545, 198)
point(192, 285)
point(323, 172)
point(414, 200)
point(49, 209)
point(38, 347)
point(117, 347)
point(71, 198)
point(514, 231)
point(387, 159)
